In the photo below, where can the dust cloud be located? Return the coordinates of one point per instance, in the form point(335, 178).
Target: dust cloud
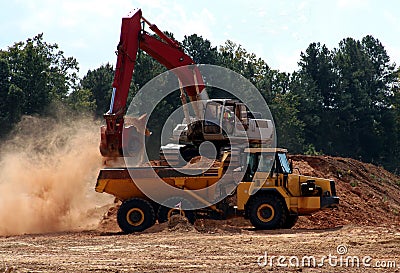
point(48, 171)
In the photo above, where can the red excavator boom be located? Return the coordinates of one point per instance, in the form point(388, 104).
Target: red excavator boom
point(166, 51)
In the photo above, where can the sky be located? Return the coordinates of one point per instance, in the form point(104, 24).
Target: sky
point(277, 31)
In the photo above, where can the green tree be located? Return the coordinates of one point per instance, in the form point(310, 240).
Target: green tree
point(95, 87)
point(314, 84)
point(289, 129)
point(34, 74)
point(42, 72)
point(365, 76)
point(346, 99)
point(4, 89)
point(236, 58)
point(82, 101)
point(11, 98)
point(200, 50)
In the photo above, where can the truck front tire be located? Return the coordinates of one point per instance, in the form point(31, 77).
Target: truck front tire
point(267, 211)
point(291, 220)
point(135, 215)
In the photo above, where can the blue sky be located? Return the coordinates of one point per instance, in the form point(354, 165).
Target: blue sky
point(276, 31)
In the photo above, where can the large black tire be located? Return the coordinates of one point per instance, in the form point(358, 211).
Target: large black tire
point(291, 220)
point(165, 212)
point(135, 215)
point(267, 212)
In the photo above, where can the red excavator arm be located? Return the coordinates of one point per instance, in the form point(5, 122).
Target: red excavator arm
point(166, 51)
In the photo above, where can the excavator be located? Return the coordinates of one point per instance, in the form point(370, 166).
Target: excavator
point(245, 126)
point(260, 185)
point(166, 51)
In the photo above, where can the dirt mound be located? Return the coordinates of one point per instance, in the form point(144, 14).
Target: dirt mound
point(369, 195)
point(201, 162)
point(108, 223)
point(179, 223)
point(221, 226)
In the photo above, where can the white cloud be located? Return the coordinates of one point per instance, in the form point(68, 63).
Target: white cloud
point(89, 29)
point(302, 5)
point(391, 18)
point(67, 15)
point(151, 4)
point(182, 22)
point(394, 53)
point(286, 62)
point(261, 13)
point(78, 43)
point(352, 3)
point(284, 13)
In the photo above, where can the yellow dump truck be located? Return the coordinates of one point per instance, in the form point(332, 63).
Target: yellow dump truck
point(269, 194)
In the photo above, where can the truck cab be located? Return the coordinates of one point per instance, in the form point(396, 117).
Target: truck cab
point(272, 196)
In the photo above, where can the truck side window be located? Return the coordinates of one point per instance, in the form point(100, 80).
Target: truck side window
point(284, 163)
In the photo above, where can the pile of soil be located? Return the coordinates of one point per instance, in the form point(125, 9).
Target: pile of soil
point(231, 226)
point(179, 223)
point(369, 196)
point(201, 162)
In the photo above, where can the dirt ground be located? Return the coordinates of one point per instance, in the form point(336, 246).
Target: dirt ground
point(242, 250)
point(362, 235)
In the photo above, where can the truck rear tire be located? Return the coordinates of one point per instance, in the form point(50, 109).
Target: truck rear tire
point(165, 212)
point(135, 215)
point(267, 212)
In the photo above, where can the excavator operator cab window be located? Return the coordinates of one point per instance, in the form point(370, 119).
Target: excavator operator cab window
point(228, 119)
point(212, 118)
point(241, 113)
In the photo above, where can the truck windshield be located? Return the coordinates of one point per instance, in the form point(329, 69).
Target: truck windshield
point(265, 161)
point(284, 163)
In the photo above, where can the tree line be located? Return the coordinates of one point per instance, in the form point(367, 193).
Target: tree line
point(343, 101)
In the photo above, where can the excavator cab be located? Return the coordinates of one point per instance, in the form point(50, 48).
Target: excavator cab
point(225, 117)
point(226, 121)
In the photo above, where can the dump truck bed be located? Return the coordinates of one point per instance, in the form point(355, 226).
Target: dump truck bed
point(125, 183)
point(161, 171)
